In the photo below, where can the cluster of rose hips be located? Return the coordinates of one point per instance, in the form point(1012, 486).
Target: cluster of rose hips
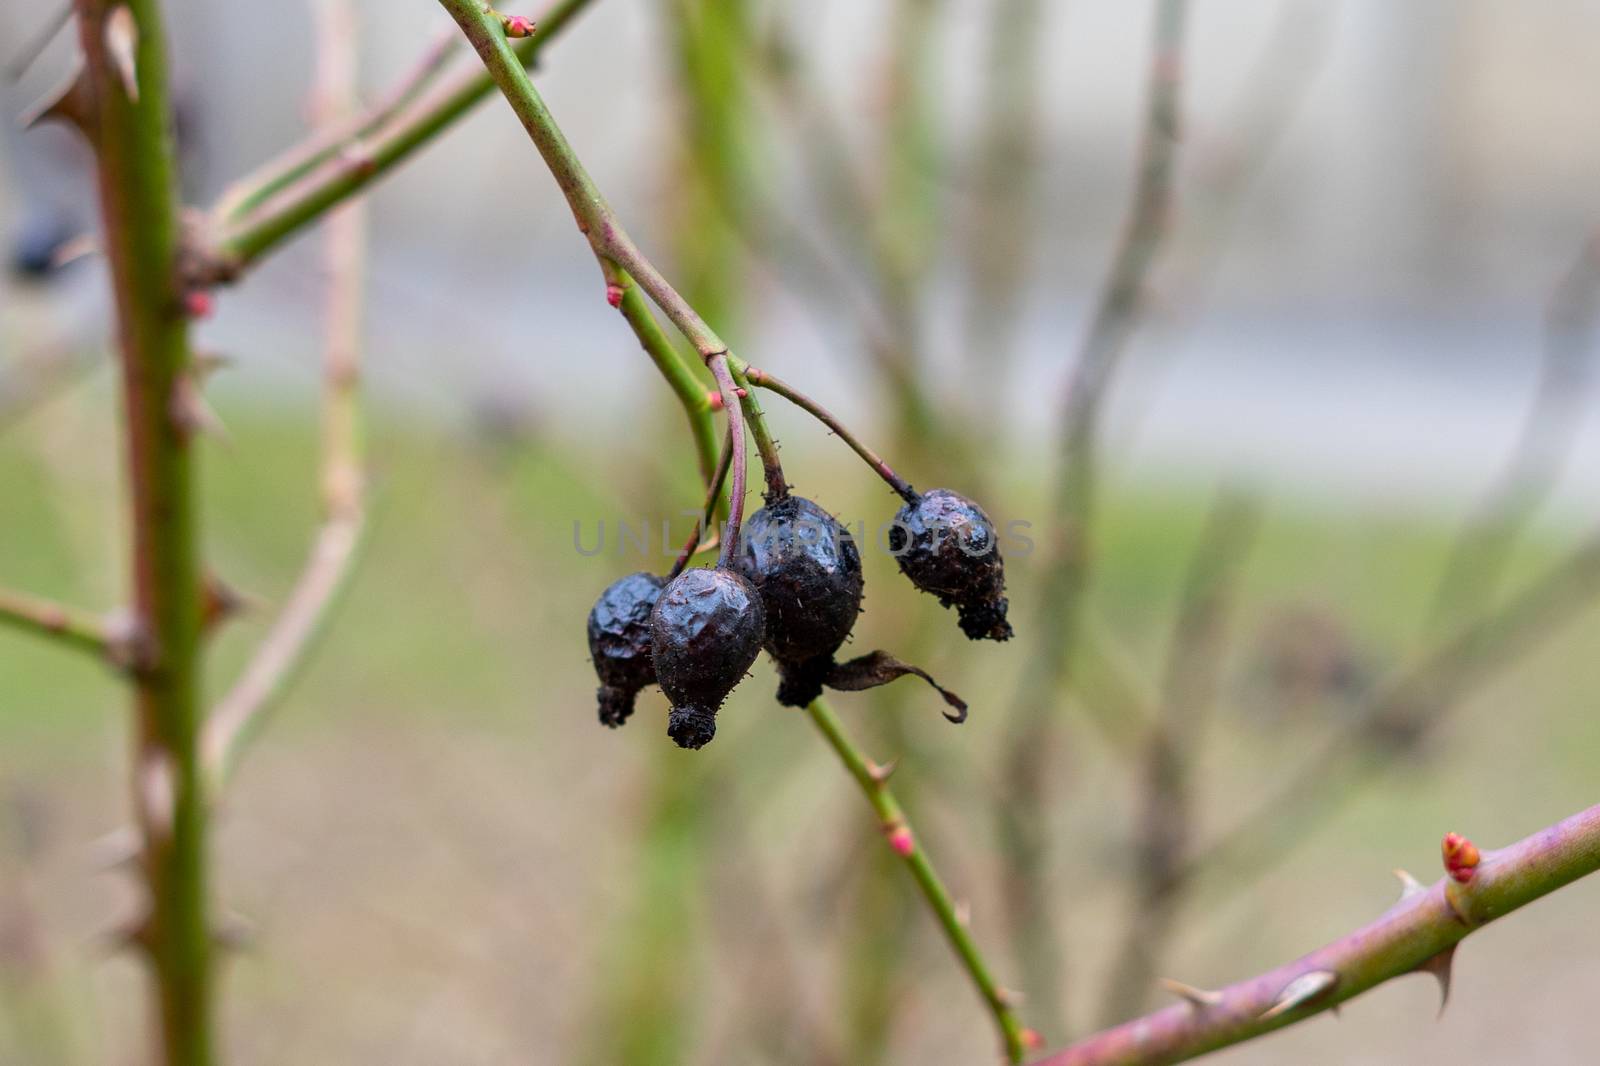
point(791, 583)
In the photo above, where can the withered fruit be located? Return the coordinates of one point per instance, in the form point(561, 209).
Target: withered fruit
point(807, 569)
point(947, 546)
point(705, 632)
point(619, 642)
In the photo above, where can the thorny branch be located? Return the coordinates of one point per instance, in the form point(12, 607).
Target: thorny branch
point(1419, 933)
point(1418, 700)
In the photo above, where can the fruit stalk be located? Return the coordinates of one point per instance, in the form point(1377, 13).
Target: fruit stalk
point(693, 545)
point(772, 383)
point(737, 473)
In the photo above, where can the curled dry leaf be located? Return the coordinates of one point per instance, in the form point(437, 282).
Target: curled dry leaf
point(880, 668)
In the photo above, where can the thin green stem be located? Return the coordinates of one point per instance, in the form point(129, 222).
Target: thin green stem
point(251, 192)
point(66, 625)
point(873, 781)
point(137, 185)
point(593, 215)
point(233, 245)
point(766, 444)
point(762, 379)
point(618, 254)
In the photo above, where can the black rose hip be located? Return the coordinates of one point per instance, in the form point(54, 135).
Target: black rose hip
point(706, 631)
point(947, 546)
point(807, 570)
point(619, 642)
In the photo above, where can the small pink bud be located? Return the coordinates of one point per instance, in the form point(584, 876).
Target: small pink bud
point(517, 25)
point(1032, 1039)
point(1461, 857)
point(714, 398)
point(902, 843)
point(198, 303)
point(614, 295)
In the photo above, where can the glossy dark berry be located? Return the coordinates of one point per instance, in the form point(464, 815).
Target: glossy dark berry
point(705, 631)
point(619, 641)
point(947, 546)
point(807, 569)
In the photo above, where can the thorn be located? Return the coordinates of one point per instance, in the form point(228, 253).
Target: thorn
point(115, 850)
point(133, 934)
point(219, 602)
point(358, 158)
point(203, 364)
point(1302, 991)
point(190, 412)
point(881, 772)
point(1409, 886)
point(1010, 996)
point(1199, 998)
point(1461, 857)
point(80, 247)
point(964, 913)
point(234, 933)
point(1441, 966)
point(70, 102)
point(122, 41)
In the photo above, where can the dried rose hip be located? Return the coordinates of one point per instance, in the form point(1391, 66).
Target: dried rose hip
point(705, 631)
point(807, 569)
point(947, 546)
point(619, 641)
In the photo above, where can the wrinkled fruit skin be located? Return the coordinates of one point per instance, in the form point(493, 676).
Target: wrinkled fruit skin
point(807, 570)
point(706, 631)
point(619, 641)
point(947, 546)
